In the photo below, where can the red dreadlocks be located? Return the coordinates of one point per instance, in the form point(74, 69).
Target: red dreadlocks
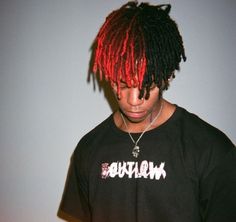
point(138, 45)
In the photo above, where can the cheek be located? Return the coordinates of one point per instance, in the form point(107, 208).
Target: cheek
point(154, 93)
point(121, 95)
point(122, 99)
point(153, 98)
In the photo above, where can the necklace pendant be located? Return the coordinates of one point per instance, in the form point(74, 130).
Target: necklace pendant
point(135, 151)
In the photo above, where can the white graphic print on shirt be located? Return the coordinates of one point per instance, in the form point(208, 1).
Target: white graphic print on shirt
point(146, 169)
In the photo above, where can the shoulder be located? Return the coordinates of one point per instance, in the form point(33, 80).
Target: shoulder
point(208, 145)
point(200, 131)
point(96, 135)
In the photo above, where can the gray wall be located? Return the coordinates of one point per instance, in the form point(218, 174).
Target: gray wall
point(47, 103)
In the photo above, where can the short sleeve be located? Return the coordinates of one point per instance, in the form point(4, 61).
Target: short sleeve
point(218, 191)
point(75, 196)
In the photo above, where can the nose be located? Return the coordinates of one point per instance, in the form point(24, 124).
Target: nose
point(133, 97)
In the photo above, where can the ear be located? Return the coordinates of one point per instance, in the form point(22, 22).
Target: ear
point(113, 86)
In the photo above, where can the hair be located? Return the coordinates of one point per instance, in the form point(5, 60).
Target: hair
point(138, 44)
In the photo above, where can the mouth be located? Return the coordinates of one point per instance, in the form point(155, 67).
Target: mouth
point(135, 115)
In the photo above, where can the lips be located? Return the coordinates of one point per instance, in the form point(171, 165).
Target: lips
point(135, 115)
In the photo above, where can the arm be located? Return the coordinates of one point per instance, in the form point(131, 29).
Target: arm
point(74, 205)
point(67, 217)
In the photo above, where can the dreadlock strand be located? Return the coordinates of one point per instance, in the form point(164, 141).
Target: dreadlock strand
point(139, 44)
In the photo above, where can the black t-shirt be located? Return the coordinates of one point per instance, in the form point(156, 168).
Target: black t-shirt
point(185, 172)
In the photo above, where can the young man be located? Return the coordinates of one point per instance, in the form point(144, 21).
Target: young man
point(150, 161)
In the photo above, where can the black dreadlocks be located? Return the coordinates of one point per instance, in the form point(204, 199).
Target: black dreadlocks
point(139, 44)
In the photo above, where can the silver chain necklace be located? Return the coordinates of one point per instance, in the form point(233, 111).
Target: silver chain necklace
point(136, 149)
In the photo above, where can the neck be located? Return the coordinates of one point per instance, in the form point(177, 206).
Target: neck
point(151, 121)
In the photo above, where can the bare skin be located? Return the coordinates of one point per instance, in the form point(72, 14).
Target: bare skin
point(138, 113)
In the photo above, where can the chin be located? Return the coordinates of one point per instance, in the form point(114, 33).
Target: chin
point(135, 119)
